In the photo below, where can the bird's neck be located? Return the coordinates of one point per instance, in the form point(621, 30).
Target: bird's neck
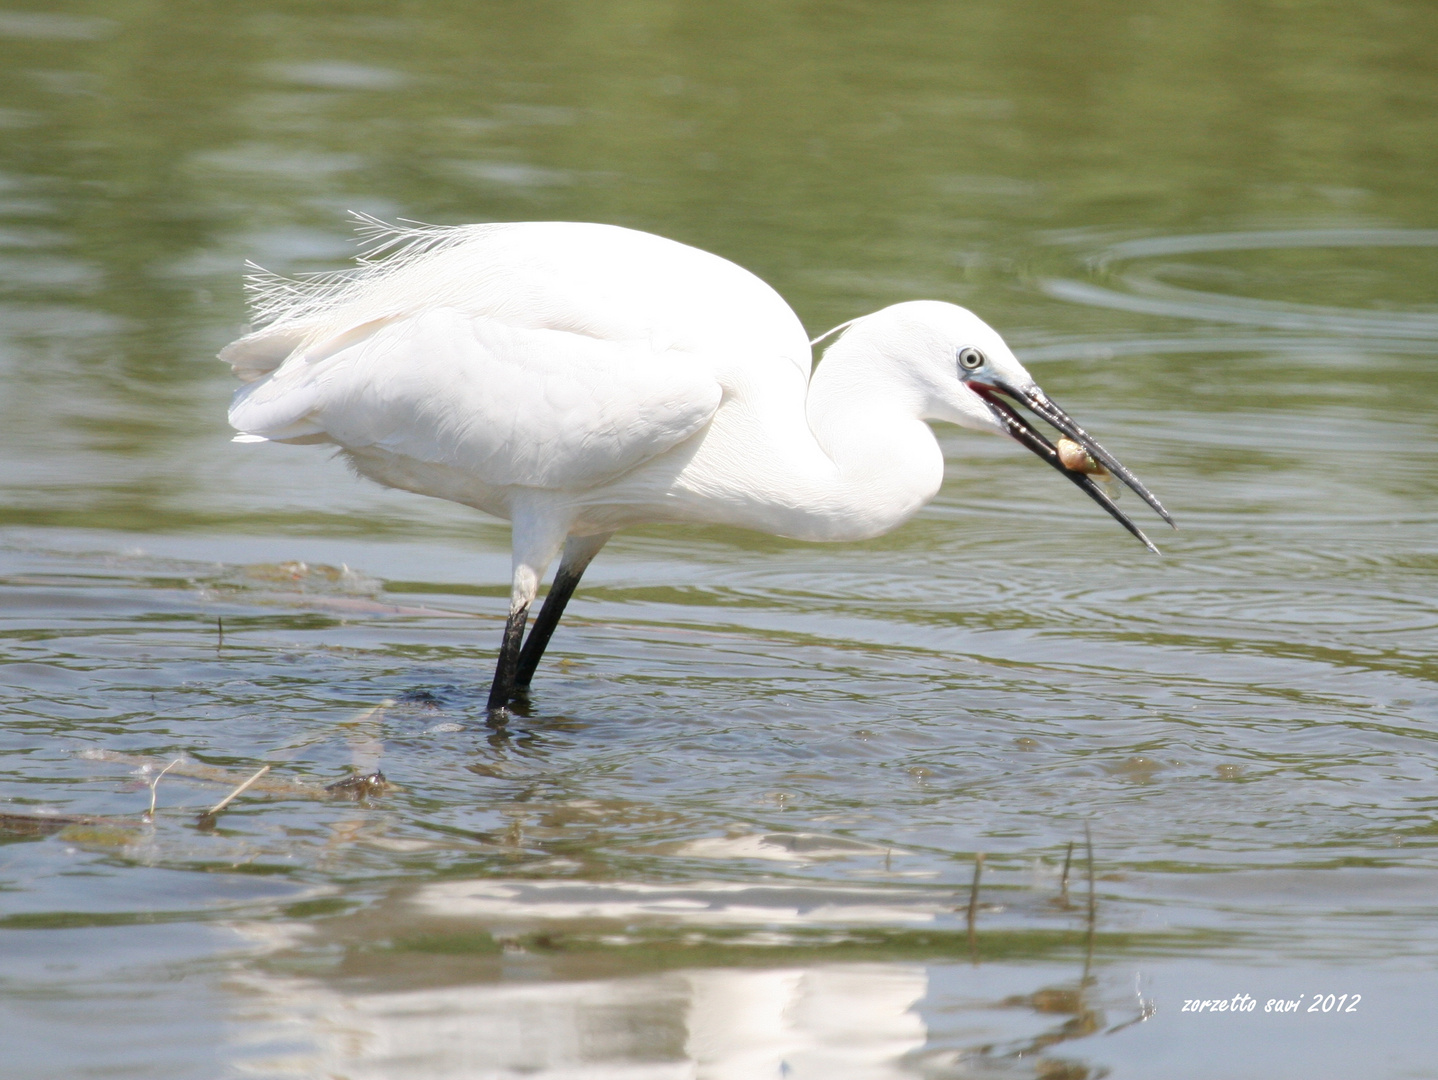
point(886, 463)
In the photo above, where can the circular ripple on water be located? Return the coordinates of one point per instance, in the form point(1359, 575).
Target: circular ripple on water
point(1144, 293)
point(1313, 608)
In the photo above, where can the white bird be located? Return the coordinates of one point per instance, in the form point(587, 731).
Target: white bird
point(580, 378)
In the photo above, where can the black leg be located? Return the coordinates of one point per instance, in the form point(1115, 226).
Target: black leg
point(578, 554)
point(544, 624)
point(502, 689)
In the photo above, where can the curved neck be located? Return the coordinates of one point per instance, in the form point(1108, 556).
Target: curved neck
point(886, 462)
point(845, 456)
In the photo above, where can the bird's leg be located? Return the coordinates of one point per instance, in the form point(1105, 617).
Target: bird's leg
point(579, 551)
point(536, 540)
point(502, 689)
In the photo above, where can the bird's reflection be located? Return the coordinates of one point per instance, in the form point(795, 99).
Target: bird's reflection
point(709, 980)
point(835, 1021)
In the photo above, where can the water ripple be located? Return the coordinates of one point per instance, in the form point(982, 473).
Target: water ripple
point(1145, 295)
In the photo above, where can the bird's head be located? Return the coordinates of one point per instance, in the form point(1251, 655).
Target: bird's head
point(964, 373)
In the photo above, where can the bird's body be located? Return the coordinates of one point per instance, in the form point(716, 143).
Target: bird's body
point(577, 379)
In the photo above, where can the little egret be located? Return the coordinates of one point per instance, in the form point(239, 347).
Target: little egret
point(579, 378)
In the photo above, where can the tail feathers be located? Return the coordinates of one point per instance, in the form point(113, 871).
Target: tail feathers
point(270, 410)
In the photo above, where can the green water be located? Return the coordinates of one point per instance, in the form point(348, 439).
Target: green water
point(736, 834)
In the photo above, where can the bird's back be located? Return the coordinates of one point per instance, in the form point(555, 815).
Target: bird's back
point(599, 281)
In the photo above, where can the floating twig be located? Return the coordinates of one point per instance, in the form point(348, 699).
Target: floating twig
point(213, 774)
point(232, 796)
point(974, 905)
point(150, 814)
point(1064, 877)
point(1092, 901)
point(1092, 904)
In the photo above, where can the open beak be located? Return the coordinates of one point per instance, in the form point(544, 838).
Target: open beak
point(1039, 403)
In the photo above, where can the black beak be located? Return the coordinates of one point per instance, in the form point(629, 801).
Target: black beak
point(1037, 401)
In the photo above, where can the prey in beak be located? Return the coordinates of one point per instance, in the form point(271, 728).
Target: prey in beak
point(1077, 455)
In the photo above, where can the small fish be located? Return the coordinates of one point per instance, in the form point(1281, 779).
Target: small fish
point(1076, 459)
point(359, 787)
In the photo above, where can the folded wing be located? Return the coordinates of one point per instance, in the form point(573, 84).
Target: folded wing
point(509, 405)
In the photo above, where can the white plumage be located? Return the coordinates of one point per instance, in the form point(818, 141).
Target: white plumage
point(580, 378)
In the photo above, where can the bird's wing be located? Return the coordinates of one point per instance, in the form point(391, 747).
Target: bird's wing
point(599, 281)
point(504, 404)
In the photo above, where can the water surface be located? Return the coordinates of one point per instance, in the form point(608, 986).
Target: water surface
point(736, 833)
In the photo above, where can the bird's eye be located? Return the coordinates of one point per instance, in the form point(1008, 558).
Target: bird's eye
point(970, 359)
